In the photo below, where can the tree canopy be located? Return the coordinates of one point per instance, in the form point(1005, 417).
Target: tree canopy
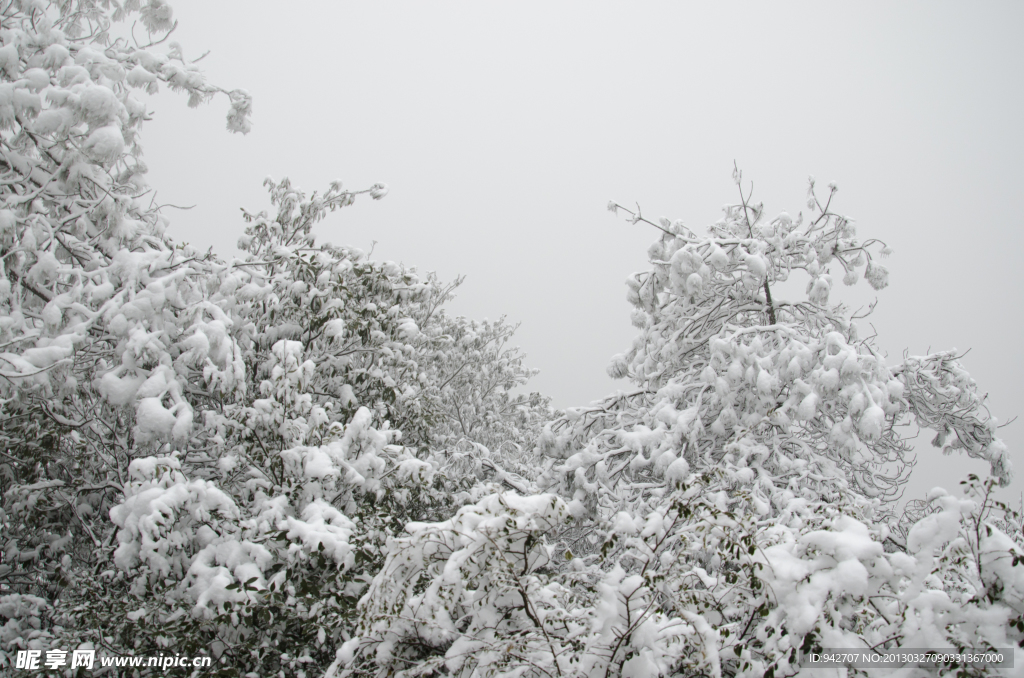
point(296, 461)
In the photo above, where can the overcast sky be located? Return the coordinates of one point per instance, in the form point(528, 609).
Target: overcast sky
point(504, 129)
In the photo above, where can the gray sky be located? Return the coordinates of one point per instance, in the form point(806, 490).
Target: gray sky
point(504, 129)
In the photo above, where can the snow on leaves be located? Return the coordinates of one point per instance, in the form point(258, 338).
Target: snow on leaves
point(703, 584)
point(221, 435)
point(297, 461)
point(731, 510)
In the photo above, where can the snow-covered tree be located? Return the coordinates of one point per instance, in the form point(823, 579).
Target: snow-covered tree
point(721, 361)
point(88, 283)
point(731, 509)
point(257, 543)
point(193, 447)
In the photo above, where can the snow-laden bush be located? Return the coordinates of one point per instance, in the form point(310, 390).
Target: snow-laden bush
point(706, 584)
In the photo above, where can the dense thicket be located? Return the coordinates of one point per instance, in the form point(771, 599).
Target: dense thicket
point(295, 460)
